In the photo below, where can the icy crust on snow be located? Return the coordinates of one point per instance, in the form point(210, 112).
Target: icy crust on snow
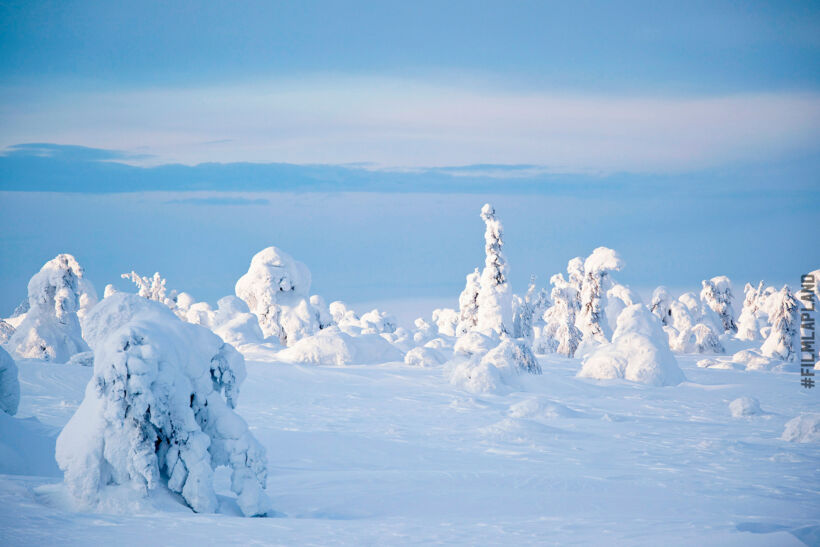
point(803, 429)
point(276, 289)
point(332, 346)
point(9, 384)
point(158, 412)
point(51, 328)
point(639, 352)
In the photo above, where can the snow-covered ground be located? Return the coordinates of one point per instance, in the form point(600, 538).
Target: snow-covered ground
point(394, 454)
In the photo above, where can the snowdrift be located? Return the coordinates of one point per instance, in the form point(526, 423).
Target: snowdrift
point(332, 346)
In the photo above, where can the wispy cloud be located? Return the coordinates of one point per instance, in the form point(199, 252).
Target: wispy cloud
point(414, 123)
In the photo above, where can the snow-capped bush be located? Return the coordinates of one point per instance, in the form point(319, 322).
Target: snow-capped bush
point(717, 295)
point(618, 297)
point(474, 343)
point(276, 289)
point(751, 359)
point(639, 352)
point(749, 322)
point(158, 411)
point(660, 305)
point(152, 288)
point(689, 331)
point(592, 319)
point(560, 335)
point(234, 322)
point(6, 330)
point(9, 384)
point(343, 316)
point(377, 322)
point(424, 332)
point(802, 429)
point(446, 320)
point(744, 406)
point(496, 369)
point(699, 338)
point(468, 304)
point(528, 311)
point(51, 328)
point(109, 290)
point(332, 346)
point(322, 311)
point(783, 341)
point(494, 297)
point(424, 357)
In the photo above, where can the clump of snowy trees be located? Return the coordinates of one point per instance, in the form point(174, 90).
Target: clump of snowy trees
point(158, 411)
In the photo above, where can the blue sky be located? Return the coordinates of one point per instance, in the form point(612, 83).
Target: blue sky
point(683, 134)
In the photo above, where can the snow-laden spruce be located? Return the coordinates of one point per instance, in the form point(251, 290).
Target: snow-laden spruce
point(660, 305)
point(158, 412)
point(528, 311)
point(468, 304)
point(494, 297)
point(717, 295)
point(493, 365)
point(783, 341)
point(693, 327)
point(276, 289)
point(9, 384)
point(750, 321)
point(592, 319)
point(560, 335)
point(639, 352)
point(51, 328)
point(153, 288)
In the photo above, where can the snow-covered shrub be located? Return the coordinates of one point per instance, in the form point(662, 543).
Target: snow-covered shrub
point(9, 384)
point(660, 305)
point(158, 411)
point(592, 318)
point(474, 343)
point(152, 288)
point(751, 359)
point(377, 322)
point(744, 406)
point(749, 322)
point(6, 330)
point(424, 332)
point(802, 429)
point(51, 328)
point(343, 316)
point(783, 341)
point(496, 369)
point(276, 289)
point(424, 357)
point(332, 346)
point(234, 322)
point(446, 320)
point(87, 297)
point(689, 331)
point(401, 338)
point(322, 311)
point(528, 311)
point(494, 298)
point(699, 338)
point(717, 295)
point(618, 297)
point(109, 290)
point(639, 352)
point(468, 304)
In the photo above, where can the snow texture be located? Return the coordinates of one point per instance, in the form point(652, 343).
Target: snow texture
point(51, 328)
point(639, 352)
point(158, 412)
point(803, 429)
point(745, 406)
point(9, 384)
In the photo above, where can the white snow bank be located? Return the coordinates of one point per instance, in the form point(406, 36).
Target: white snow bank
point(9, 384)
point(332, 346)
point(497, 370)
point(639, 352)
point(158, 411)
point(752, 359)
point(276, 289)
point(802, 429)
point(744, 406)
point(27, 447)
point(51, 328)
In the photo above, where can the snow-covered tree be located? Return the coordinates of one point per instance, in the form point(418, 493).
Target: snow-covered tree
point(528, 310)
point(6, 330)
point(9, 384)
point(783, 341)
point(560, 335)
point(109, 290)
point(717, 295)
point(494, 298)
point(152, 288)
point(446, 319)
point(322, 311)
point(158, 410)
point(51, 328)
point(276, 288)
point(468, 304)
point(424, 332)
point(377, 322)
point(748, 324)
point(660, 305)
point(592, 318)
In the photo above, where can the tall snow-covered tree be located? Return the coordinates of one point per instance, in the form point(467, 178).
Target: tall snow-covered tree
point(468, 304)
point(660, 305)
point(159, 410)
point(592, 318)
point(528, 310)
point(560, 334)
point(51, 328)
point(783, 341)
point(748, 324)
point(717, 295)
point(494, 298)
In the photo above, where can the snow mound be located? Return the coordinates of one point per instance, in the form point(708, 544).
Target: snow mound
point(51, 328)
point(9, 384)
point(539, 409)
point(754, 360)
point(474, 343)
point(276, 289)
point(744, 406)
point(424, 357)
point(495, 371)
point(158, 412)
point(332, 346)
point(27, 447)
point(802, 429)
point(639, 352)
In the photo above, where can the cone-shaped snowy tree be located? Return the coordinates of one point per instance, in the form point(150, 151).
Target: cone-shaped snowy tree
point(592, 318)
point(717, 295)
point(468, 304)
point(494, 298)
point(784, 338)
point(51, 329)
point(159, 410)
